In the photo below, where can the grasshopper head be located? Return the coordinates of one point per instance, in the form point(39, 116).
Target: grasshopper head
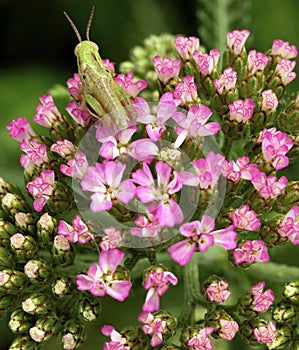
point(86, 47)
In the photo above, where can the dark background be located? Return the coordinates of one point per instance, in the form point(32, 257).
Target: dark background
point(37, 51)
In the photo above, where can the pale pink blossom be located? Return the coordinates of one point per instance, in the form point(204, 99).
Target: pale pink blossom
point(290, 225)
point(245, 219)
point(228, 329)
point(64, 148)
point(147, 226)
point(241, 110)
point(186, 46)
point(265, 334)
point(118, 342)
point(127, 83)
point(227, 80)
point(36, 154)
point(166, 68)
point(201, 341)
point(251, 252)
point(262, 300)
point(109, 65)
point(74, 85)
point(19, 129)
point(268, 187)
point(186, 90)
point(236, 40)
point(201, 236)
point(80, 115)
point(47, 113)
point(218, 291)
point(75, 167)
point(269, 101)
point(112, 238)
point(284, 69)
point(102, 278)
point(143, 150)
point(77, 232)
point(283, 49)
point(257, 61)
point(153, 326)
point(207, 62)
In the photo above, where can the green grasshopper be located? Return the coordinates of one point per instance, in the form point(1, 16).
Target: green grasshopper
point(99, 94)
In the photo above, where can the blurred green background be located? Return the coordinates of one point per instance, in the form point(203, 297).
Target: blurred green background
point(37, 51)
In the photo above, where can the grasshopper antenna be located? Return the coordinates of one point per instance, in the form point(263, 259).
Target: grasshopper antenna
point(89, 22)
point(73, 26)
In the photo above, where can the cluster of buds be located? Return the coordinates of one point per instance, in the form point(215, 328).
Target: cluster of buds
point(195, 169)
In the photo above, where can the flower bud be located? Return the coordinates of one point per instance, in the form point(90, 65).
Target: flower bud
point(7, 229)
point(284, 311)
point(45, 229)
point(197, 335)
point(6, 258)
point(37, 304)
point(13, 204)
point(45, 328)
point(269, 233)
point(6, 187)
point(61, 200)
point(88, 308)
point(38, 271)
point(26, 222)
point(24, 247)
point(258, 330)
point(224, 325)
point(283, 337)
point(20, 321)
point(12, 281)
point(288, 199)
point(73, 334)
point(215, 289)
point(23, 342)
point(63, 286)
point(62, 251)
point(135, 337)
point(291, 291)
point(6, 303)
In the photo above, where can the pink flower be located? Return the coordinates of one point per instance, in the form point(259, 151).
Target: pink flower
point(154, 326)
point(156, 123)
point(186, 91)
point(290, 225)
point(186, 46)
point(80, 115)
point(157, 282)
point(207, 62)
point(143, 150)
point(109, 65)
point(257, 61)
point(126, 82)
point(166, 68)
point(283, 49)
point(236, 40)
point(47, 113)
point(76, 167)
point(245, 219)
point(41, 188)
point(112, 238)
point(218, 291)
point(200, 341)
point(209, 169)
point(160, 193)
point(275, 145)
point(251, 252)
point(228, 329)
point(74, 85)
point(269, 101)
point(284, 70)
point(36, 154)
point(64, 148)
point(241, 110)
point(195, 123)
point(148, 226)
point(201, 235)
point(20, 129)
point(118, 342)
point(227, 80)
point(265, 334)
point(262, 301)
point(105, 181)
point(234, 171)
point(78, 232)
point(102, 278)
point(268, 187)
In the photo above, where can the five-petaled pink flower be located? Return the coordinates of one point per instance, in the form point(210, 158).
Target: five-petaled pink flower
point(20, 129)
point(166, 68)
point(186, 46)
point(283, 49)
point(127, 83)
point(105, 181)
point(262, 301)
point(80, 115)
point(201, 341)
point(236, 40)
point(75, 167)
point(290, 225)
point(227, 80)
point(102, 278)
point(268, 187)
point(36, 154)
point(118, 342)
point(245, 219)
point(157, 281)
point(218, 291)
point(251, 252)
point(186, 90)
point(201, 235)
point(47, 113)
point(207, 62)
point(265, 334)
point(41, 188)
point(241, 110)
point(153, 326)
point(77, 232)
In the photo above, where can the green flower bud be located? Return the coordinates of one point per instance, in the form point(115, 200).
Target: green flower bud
point(38, 271)
point(170, 347)
point(20, 321)
point(12, 281)
point(23, 342)
point(46, 226)
point(61, 200)
point(7, 229)
point(63, 286)
point(45, 328)
point(37, 304)
point(24, 247)
point(73, 334)
point(88, 308)
point(291, 291)
point(269, 232)
point(283, 337)
point(13, 204)
point(26, 222)
point(6, 302)
point(6, 187)
point(284, 312)
point(288, 199)
point(62, 251)
point(6, 258)
point(136, 339)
